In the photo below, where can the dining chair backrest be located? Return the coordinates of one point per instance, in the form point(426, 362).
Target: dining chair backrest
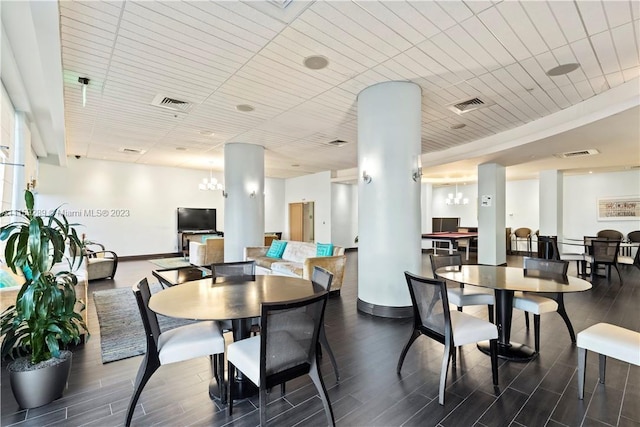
point(149, 319)
point(522, 232)
point(610, 235)
point(549, 246)
point(634, 236)
point(437, 261)
point(287, 348)
point(234, 270)
point(540, 265)
point(322, 277)
point(430, 306)
point(587, 244)
point(605, 251)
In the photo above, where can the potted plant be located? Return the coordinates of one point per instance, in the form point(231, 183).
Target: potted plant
point(43, 322)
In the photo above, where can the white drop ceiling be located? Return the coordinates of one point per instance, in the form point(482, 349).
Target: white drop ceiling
point(217, 55)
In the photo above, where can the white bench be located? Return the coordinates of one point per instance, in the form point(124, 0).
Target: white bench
point(606, 340)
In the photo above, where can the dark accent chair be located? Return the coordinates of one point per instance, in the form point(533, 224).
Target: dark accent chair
point(609, 235)
point(605, 253)
point(462, 295)
point(175, 345)
point(432, 317)
point(538, 303)
point(235, 271)
point(282, 352)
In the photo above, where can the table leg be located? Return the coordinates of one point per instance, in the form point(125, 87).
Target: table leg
point(507, 349)
point(242, 387)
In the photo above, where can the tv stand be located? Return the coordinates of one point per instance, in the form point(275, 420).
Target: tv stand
point(185, 235)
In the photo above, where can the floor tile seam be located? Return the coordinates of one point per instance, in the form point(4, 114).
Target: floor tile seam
point(283, 413)
point(532, 393)
point(464, 399)
point(39, 416)
point(564, 390)
point(405, 398)
point(624, 392)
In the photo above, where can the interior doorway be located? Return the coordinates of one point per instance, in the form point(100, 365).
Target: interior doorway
point(301, 220)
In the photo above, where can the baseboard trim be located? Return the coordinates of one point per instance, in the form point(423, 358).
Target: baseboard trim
point(149, 256)
point(385, 311)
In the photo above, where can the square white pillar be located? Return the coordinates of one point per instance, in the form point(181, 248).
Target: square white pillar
point(492, 243)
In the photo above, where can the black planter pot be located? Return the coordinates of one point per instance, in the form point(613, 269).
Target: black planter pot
point(38, 387)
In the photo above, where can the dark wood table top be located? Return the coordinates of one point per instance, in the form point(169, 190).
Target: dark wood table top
point(176, 276)
point(511, 279)
point(204, 300)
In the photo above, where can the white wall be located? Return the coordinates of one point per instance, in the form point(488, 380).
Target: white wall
point(274, 206)
point(311, 188)
point(149, 195)
point(7, 138)
point(581, 193)
point(522, 201)
point(344, 217)
point(468, 214)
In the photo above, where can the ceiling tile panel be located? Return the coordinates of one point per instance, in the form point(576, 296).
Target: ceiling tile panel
point(382, 13)
point(567, 16)
point(605, 52)
point(618, 12)
point(545, 23)
point(413, 18)
point(503, 32)
point(626, 47)
point(593, 16)
point(586, 58)
point(434, 13)
point(515, 15)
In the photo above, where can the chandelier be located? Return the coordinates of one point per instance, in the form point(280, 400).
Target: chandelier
point(456, 199)
point(210, 183)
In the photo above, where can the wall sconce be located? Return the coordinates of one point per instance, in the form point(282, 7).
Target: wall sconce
point(365, 177)
point(224, 194)
point(417, 174)
point(84, 81)
point(252, 194)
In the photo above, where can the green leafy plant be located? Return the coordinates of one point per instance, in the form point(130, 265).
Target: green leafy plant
point(43, 319)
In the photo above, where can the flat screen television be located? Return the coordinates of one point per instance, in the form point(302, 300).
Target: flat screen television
point(196, 219)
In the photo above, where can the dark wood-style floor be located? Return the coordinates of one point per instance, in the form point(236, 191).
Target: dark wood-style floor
point(370, 393)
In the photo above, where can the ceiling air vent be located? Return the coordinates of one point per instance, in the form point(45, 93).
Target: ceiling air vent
point(464, 106)
point(131, 150)
point(578, 153)
point(171, 103)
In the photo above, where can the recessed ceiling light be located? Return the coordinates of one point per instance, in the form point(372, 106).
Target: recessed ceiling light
point(457, 126)
point(207, 133)
point(295, 165)
point(245, 108)
point(315, 62)
point(562, 69)
point(181, 149)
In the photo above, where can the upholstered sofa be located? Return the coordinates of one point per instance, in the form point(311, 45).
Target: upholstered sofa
point(298, 259)
point(8, 295)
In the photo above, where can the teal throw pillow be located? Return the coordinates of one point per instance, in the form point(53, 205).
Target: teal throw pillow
point(276, 249)
point(324, 249)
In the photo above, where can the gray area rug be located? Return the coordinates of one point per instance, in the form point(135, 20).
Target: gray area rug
point(121, 330)
point(171, 262)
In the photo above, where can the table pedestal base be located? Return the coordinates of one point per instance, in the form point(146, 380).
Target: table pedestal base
point(241, 389)
point(514, 351)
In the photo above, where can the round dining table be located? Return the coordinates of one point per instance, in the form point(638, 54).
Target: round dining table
point(238, 300)
point(505, 281)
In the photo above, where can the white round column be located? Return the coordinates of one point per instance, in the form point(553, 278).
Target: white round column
point(244, 203)
point(389, 130)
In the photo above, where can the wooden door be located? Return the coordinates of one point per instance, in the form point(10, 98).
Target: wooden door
point(296, 222)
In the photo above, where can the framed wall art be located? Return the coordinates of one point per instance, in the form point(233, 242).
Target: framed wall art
point(619, 208)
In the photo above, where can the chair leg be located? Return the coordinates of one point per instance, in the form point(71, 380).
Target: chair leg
point(415, 334)
point(314, 373)
point(325, 344)
point(563, 313)
point(603, 367)
point(443, 373)
point(263, 406)
point(220, 377)
point(536, 331)
point(582, 361)
point(526, 319)
point(493, 347)
point(618, 270)
point(231, 372)
point(149, 365)
point(459, 308)
point(490, 309)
